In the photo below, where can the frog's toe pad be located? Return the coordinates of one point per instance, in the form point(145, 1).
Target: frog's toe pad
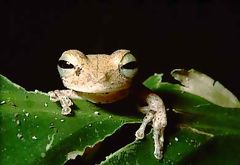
point(66, 111)
point(139, 134)
point(158, 154)
point(53, 96)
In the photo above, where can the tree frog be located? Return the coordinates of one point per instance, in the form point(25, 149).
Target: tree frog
point(102, 78)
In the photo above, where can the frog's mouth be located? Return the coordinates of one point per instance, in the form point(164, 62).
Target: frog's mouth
point(93, 87)
point(106, 97)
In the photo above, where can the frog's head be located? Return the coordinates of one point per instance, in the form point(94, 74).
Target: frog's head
point(98, 73)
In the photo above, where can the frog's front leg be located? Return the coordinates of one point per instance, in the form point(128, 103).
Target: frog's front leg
point(64, 97)
point(155, 112)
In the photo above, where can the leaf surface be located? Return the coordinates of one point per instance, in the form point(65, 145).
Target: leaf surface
point(33, 131)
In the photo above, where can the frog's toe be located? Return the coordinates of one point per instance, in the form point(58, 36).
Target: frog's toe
point(66, 102)
point(53, 96)
point(158, 154)
point(139, 133)
point(66, 111)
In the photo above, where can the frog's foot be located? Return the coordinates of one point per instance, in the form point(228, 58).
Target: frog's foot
point(158, 132)
point(63, 96)
point(66, 103)
point(155, 113)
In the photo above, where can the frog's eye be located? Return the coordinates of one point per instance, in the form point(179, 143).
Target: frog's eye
point(65, 64)
point(128, 66)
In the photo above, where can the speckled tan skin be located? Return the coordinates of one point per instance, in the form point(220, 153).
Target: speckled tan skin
point(102, 78)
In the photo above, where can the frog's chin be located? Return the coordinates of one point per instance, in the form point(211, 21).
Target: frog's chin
point(104, 98)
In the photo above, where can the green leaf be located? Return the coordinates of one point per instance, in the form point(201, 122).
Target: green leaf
point(202, 85)
point(198, 131)
point(33, 131)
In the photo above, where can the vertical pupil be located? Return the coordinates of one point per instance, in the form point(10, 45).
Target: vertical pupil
point(65, 64)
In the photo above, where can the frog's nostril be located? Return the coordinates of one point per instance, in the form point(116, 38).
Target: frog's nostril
point(78, 71)
point(103, 77)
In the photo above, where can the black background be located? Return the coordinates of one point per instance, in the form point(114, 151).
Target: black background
point(163, 35)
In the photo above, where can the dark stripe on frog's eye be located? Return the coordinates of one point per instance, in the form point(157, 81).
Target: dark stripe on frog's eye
point(65, 64)
point(130, 65)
